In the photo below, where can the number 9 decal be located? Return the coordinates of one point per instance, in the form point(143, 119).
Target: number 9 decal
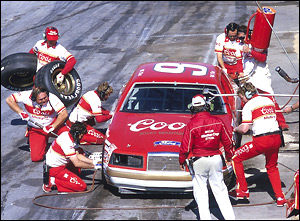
point(179, 68)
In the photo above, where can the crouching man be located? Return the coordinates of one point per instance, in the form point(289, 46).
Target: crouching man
point(65, 161)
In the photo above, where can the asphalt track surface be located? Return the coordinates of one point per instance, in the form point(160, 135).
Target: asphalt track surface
point(110, 40)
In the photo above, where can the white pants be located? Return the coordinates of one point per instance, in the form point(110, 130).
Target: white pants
point(210, 168)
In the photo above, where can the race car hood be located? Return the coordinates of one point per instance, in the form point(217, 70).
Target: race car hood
point(142, 133)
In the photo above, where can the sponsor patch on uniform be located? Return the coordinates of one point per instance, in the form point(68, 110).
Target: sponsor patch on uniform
point(167, 142)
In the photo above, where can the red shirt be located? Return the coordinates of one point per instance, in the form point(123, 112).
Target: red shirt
point(203, 135)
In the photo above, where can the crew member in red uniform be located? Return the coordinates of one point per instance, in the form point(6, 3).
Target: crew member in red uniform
point(89, 109)
point(259, 112)
point(66, 160)
point(49, 50)
point(228, 51)
point(46, 110)
point(202, 137)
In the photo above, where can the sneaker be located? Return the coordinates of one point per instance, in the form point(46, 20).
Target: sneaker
point(239, 194)
point(47, 188)
point(281, 202)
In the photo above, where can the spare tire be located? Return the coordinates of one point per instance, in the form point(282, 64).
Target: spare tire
point(17, 71)
point(69, 92)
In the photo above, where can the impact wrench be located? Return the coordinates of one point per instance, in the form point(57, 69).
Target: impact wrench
point(87, 153)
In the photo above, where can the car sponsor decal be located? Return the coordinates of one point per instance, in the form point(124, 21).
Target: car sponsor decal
point(152, 125)
point(167, 143)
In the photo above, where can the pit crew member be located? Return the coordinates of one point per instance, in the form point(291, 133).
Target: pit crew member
point(65, 161)
point(256, 71)
point(89, 109)
point(46, 114)
point(259, 112)
point(202, 137)
point(228, 51)
point(49, 49)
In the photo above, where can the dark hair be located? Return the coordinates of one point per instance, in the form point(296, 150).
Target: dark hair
point(231, 27)
point(36, 91)
point(77, 129)
point(242, 28)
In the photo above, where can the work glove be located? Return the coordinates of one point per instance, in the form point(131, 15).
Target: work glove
point(59, 78)
point(224, 70)
point(48, 129)
point(97, 160)
point(24, 116)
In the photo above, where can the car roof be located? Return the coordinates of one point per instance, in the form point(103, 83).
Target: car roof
point(176, 72)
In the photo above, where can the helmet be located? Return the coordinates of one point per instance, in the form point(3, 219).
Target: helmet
point(51, 34)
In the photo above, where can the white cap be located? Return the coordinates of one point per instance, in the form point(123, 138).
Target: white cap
point(198, 100)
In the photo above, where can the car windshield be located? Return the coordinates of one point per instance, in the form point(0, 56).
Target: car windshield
point(149, 98)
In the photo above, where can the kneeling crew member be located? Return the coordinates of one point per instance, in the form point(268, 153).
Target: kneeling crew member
point(65, 161)
point(202, 137)
point(90, 108)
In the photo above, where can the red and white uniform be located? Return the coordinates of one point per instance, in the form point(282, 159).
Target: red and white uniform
point(256, 67)
point(231, 53)
point(260, 112)
point(88, 109)
point(58, 158)
point(43, 115)
point(47, 54)
point(202, 137)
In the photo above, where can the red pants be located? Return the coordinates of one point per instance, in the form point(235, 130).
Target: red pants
point(38, 140)
point(267, 145)
point(279, 115)
point(92, 136)
point(67, 179)
point(233, 70)
point(296, 189)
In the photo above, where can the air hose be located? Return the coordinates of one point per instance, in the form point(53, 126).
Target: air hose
point(127, 208)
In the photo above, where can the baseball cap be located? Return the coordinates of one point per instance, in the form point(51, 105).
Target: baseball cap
point(51, 33)
point(197, 100)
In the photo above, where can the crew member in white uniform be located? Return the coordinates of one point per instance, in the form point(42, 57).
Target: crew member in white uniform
point(46, 110)
point(256, 71)
point(89, 109)
point(49, 50)
point(259, 112)
point(66, 159)
point(228, 51)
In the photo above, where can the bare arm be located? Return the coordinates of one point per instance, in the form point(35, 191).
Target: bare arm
point(220, 60)
point(60, 118)
point(242, 128)
point(13, 105)
point(81, 161)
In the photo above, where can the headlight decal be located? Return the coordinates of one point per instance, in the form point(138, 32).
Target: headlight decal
point(108, 150)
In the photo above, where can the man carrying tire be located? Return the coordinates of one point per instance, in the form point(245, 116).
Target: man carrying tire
point(89, 109)
point(45, 114)
point(49, 50)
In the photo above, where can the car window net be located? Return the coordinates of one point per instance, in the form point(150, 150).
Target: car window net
point(169, 99)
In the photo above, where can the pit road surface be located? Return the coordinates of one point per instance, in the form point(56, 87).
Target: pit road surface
point(110, 40)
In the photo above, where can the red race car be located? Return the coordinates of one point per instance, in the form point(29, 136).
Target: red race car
point(141, 151)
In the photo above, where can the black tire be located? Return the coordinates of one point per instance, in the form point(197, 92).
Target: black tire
point(17, 71)
point(69, 92)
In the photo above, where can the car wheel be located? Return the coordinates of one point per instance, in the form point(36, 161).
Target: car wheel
point(17, 71)
point(69, 91)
